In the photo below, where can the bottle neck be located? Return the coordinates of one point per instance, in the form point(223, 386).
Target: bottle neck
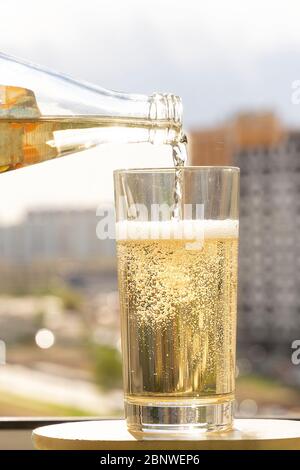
point(156, 118)
point(165, 117)
point(166, 107)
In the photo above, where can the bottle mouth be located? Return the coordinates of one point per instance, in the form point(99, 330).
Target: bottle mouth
point(166, 107)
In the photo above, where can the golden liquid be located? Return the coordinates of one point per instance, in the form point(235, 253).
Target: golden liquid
point(178, 313)
point(25, 142)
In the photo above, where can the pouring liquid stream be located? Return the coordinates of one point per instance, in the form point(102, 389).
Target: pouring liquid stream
point(179, 154)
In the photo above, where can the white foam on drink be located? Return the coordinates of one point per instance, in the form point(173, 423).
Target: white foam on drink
point(176, 229)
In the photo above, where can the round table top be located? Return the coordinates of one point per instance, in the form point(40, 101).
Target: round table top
point(113, 435)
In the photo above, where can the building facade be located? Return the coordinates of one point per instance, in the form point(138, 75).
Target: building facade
point(269, 255)
point(56, 234)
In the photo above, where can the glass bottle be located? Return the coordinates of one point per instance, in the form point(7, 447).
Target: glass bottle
point(45, 115)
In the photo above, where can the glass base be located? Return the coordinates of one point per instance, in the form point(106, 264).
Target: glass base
point(178, 421)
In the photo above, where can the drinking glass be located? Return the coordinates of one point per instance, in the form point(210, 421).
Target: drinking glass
point(177, 270)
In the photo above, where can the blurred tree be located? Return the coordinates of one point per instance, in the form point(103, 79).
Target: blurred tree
point(108, 366)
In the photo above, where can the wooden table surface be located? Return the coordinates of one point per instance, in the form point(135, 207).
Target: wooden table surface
point(113, 435)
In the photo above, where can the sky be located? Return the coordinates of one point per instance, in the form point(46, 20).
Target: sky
point(220, 57)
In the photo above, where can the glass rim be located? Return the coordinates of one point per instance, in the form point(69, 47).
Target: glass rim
point(233, 169)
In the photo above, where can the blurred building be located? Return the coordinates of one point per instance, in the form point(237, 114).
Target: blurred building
point(269, 281)
point(219, 145)
point(21, 317)
point(55, 234)
point(57, 246)
point(102, 312)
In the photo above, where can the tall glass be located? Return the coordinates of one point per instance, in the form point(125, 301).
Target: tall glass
point(178, 296)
